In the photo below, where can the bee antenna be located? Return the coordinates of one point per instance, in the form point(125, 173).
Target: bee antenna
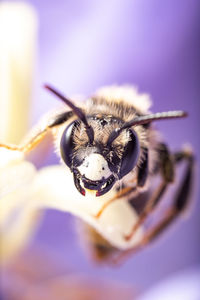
point(141, 120)
point(76, 110)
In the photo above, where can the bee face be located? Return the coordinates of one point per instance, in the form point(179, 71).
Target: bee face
point(97, 165)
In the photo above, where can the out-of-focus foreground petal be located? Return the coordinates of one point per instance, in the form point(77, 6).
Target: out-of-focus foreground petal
point(18, 35)
point(36, 274)
point(17, 217)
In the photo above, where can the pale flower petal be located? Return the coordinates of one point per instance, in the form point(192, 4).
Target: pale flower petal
point(17, 216)
point(18, 36)
point(9, 157)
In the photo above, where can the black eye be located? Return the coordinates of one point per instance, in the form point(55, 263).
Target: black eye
point(130, 156)
point(66, 143)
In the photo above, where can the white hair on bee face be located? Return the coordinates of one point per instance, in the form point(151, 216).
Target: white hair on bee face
point(95, 167)
point(127, 93)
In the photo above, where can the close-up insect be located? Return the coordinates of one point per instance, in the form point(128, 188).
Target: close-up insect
point(114, 152)
point(99, 149)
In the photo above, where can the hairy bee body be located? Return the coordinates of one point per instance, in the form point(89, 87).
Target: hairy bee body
point(106, 110)
point(122, 103)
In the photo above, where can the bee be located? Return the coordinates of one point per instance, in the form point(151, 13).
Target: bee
point(114, 152)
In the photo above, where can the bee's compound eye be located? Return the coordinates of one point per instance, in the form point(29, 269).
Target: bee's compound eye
point(66, 144)
point(130, 155)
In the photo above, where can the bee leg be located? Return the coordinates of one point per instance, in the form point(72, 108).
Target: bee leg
point(142, 177)
point(180, 203)
point(32, 143)
point(143, 170)
point(29, 145)
point(167, 173)
point(151, 204)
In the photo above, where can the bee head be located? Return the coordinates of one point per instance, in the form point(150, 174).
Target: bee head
point(97, 165)
point(99, 149)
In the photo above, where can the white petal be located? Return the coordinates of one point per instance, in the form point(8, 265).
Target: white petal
point(9, 157)
point(18, 227)
point(18, 29)
point(17, 215)
point(116, 222)
point(16, 176)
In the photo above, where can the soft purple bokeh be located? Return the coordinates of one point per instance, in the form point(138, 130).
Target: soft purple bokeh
point(153, 44)
point(184, 286)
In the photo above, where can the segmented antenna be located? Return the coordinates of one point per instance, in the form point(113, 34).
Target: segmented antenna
point(141, 120)
point(76, 110)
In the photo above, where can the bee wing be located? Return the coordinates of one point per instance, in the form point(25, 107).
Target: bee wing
point(54, 188)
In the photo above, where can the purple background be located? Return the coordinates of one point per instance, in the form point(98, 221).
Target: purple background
point(153, 44)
